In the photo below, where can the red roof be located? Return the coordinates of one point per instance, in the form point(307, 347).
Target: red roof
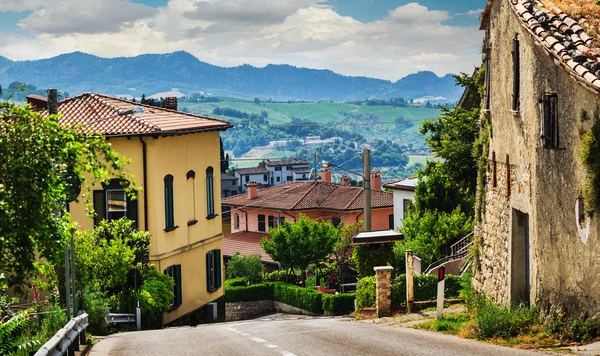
point(90, 107)
point(245, 242)
point(312, 195)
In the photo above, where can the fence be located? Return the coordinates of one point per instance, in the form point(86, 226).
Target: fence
point(67, 338)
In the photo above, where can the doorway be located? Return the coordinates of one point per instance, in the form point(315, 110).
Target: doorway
point(520, 287)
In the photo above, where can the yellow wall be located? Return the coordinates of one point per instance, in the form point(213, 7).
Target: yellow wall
point(186, 245)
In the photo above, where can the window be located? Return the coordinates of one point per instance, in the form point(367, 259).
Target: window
point(516, 74)
point(549, 108)
point(271, 221)
point(210, 194)
point(261, 223)
point(277, 169)
point(281, 220)
point(113, 203)
point(213, 270)
point(233, 183)
point(290, 178)
point(336, 221)
point(289, 168)
point(391, 221)
point(265, 177)
point(192, 175)
point(174, 272)
point(279, 179)
point(488, 75)
point(494, 171)
point(405, 204)
point(236, 221)
point(169, 216)
point(247, 179)
point(508, 176)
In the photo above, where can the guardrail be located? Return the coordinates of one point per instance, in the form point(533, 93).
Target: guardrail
point(113, 318)
point(67, 339)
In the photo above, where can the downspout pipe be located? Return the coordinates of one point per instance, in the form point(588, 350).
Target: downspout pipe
point(291, 216)
point(144, 168)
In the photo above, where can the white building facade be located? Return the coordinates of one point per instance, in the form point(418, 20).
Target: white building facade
point(404, 191)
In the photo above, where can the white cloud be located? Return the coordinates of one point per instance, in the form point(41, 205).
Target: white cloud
point(84, 16)
point(472, 13)
point(304, 33)
point(20, 5)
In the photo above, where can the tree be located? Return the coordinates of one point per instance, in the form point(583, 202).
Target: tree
point(40, 164)
point(224, 159)
point(297, 245)
point(342, 256)
point(248, 266)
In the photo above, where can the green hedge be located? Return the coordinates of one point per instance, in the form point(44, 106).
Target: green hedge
point(425, 289)
point(338, 304)
point(236, 282)
point(254, 292)
point(369, 256)
point(303, 298)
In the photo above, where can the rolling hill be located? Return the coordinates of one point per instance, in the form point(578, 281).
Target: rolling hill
point(151, 73)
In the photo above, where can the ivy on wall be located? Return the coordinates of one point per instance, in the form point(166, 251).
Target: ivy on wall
point(589, 153)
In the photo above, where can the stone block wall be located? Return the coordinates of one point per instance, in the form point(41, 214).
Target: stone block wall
point(246, 310)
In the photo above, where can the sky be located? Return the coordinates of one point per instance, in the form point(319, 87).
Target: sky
point(385, 39)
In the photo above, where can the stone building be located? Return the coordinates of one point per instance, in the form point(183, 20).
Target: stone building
point(542, 93)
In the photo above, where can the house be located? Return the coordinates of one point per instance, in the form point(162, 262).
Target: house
point(258, 174)
point(537, 243)
point(404, 191)
point(174, 157)
point(229, 185)
point(286, 171)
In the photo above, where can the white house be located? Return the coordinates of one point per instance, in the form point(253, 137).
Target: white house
point(404, 191)
point(287, 171)
point(258, 174)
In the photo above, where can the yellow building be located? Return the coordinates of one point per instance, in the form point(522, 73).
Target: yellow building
point(175, 159)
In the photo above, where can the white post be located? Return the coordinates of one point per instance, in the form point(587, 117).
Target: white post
point(410, 291)
point(440, 292)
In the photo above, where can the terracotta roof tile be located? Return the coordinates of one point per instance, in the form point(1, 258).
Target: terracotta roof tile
point(253, 170)
point(288, 162)
point(90, 107)
point(311, 195)
point(245, 243)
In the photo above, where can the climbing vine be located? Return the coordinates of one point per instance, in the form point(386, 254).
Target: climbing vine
point(589, 153)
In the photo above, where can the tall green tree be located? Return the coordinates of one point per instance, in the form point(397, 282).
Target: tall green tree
point(297, 245)
point(38, 159)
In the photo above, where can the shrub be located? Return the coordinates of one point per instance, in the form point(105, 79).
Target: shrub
point(369, 256)
point(279, 276)
point(156, 293)
point(365, 292)
point(248, 266)
point(236, 282)
point(493, 320)
point(578, 328)
point(96, 305)
point(303, 298)
point(254, 292)
point(338, 304)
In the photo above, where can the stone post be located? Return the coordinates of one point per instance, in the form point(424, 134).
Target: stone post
point(383, 276)
point(410, 290)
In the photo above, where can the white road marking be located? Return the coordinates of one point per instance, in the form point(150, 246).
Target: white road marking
point(258, 339)
point(287, 353)
point(272, 346)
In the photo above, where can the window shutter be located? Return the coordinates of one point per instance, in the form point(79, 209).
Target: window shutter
point(217, 258)
point(550, 121)
point(516, 74)
point(132, 211)
point(178, 296)
point(99, 206)
point(209, 257)
point(391, 222)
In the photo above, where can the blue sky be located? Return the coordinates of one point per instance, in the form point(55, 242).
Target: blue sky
point(379, 38)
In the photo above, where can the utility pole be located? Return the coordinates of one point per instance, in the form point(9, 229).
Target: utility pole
point(367, 188)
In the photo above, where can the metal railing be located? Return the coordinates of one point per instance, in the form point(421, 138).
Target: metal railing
point(114, 318)
point(67, 339)
point(457, 251)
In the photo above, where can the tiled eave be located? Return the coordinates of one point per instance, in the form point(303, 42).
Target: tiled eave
point(562, 39)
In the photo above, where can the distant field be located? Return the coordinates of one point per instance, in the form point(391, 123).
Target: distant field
point(418, 159)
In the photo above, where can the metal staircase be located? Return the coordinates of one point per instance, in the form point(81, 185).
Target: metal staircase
point(458, 251)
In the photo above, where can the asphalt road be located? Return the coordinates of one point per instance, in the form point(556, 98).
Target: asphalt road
point(288, 336)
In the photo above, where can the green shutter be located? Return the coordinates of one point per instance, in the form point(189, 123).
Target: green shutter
point(209, 257)
point(99, 206)
point(178, 296)
point(217, 269)
point(132, 211)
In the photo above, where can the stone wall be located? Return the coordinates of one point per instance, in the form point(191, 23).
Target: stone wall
point(246, 310)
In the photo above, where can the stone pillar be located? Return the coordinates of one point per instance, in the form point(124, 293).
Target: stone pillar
point(410, 290)
point(383, 276)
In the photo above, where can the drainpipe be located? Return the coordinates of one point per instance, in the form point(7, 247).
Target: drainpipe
point(291, 216)
point(145, 183)
point(358, 216)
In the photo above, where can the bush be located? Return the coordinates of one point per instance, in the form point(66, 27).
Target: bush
point(369, 256)
point(493, 320)
point(236, 282)
point(248, 266)
point(365, 292)
point(96, 305)
point(156, 293)
point(303, 298)
point(338, 304)
point(578, 328)
point(279, 276)
point(254, 292)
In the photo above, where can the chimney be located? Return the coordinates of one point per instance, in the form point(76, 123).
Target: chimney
point(252, 190)
point(376, 180)
point(171, 103)
point(345, 180)
point(326, 174)
point(53, 101)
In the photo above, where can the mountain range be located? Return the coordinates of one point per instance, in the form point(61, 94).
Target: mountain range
point(151, 73)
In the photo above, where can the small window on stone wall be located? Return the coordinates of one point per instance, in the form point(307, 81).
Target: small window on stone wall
point(516, 75)
point(494, 171)
point(549, 109)
point(507, 176)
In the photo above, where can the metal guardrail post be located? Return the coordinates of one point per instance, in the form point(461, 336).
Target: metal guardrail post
point(66, 339)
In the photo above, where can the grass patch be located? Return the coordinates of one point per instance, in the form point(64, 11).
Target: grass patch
point(452, 324)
